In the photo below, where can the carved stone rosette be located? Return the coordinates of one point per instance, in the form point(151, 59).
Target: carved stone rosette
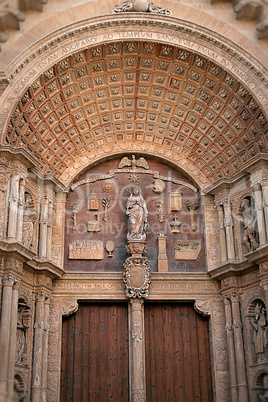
point(136, 277)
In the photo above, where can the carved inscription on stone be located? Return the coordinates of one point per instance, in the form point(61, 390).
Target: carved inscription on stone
point(187, 249)
point(86, 250)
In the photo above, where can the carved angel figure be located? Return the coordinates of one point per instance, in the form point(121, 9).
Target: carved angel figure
point(259, 324)
point(134, 163)
point(137, 213)
point(249, 222)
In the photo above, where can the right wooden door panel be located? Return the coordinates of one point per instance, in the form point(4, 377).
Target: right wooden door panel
point(178, 364)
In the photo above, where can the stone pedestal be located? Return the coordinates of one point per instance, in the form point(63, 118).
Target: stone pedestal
point(162, 253)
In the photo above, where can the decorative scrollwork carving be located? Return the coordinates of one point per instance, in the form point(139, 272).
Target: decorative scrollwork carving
point(136, 277)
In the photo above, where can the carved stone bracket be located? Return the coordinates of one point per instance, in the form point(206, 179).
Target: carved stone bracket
point(69, 307)
point(136, 277)
point(202, 307)
point(140, 6)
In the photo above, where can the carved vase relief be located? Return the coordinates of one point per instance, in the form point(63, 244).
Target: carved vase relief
point(119, 211)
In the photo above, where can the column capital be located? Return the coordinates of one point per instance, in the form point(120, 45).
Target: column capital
point(136, 304)
point(234, 297)
point(40, 296)
point(8, 280)
point(16, 285)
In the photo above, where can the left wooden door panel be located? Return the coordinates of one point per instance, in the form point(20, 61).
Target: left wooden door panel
point(95, 354)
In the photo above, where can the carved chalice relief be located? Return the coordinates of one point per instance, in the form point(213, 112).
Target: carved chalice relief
point(175, 225)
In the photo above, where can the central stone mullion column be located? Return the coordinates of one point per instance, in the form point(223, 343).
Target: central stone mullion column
point(137, 355)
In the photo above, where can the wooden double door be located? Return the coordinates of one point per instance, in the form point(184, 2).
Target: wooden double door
point(95, 354)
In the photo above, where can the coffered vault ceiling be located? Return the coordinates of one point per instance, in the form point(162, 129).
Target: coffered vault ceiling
point(142, 92)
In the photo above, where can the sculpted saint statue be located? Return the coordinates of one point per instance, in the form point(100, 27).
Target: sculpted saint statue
point(137, 213)
point(29, 218)
point(259, 324)
point(249, 222)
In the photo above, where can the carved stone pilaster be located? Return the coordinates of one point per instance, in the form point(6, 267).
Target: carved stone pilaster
point(222, 236)
point(58, 229)
point(220, 352)
point(239, 349)
point(212, 238)
point(231, 350)
point(54, 352)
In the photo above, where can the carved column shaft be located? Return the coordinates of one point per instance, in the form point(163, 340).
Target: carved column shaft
point(260, 215)
point(137, 351)
point(43, 229)
point(265, 202)
point(229, 230)
point(20, 209)
point(49, 230)
point(222, 236)
point(239, 351)
point(231, 351)
point(13, 338)
point(45, 350)
point(38, 348)
point(8, 282)
point(13, 207)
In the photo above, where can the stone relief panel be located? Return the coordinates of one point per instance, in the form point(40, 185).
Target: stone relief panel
point(137, 210)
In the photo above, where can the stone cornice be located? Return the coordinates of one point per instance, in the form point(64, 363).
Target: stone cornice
point(19, 252)
point(21, 154)
point(231, 268)
point(51, 270)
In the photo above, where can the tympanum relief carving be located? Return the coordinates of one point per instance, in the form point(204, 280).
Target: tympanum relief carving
point(120, 212)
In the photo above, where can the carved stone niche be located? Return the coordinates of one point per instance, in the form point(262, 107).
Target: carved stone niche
point(19, 387)
point(257, 317)
point(23, 325)
point(136, 277)
point(248, 220)
point(261, 385)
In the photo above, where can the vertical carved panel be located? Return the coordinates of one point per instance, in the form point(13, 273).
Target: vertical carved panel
point(54, 352)
point(220, 351)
